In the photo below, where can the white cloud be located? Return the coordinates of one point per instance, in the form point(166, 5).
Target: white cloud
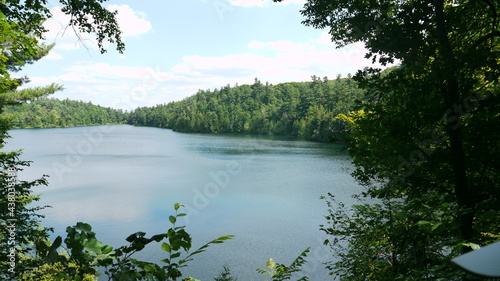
point(247, 3)
point(256, 45)
point(53, 56)
point(132, 23)
point(325, 39)
point(128, 87)
point(294, 1)
point(289, 46)
point(275, 61)
point(282, 46)
point(109, 85)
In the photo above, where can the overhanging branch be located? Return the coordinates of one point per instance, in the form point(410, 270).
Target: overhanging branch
point(485, 38)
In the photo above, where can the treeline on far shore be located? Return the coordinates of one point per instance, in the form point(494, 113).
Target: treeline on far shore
point(55, 113)
point(304, 109)
point(308, 110)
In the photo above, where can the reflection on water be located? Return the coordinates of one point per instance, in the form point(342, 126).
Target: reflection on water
point(122, 179)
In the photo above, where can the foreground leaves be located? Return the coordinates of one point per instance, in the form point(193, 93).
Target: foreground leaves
point(86, 252)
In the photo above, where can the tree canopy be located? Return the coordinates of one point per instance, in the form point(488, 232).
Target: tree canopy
point(304, 109)
point(424, 141)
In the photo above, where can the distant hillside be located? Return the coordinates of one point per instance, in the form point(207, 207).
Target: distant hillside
point(303, 109)
point(49, 113)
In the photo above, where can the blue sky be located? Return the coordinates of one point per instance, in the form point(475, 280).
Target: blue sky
point(176, 47)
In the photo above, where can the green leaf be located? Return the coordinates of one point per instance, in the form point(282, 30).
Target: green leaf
point(435, 226)
point(158, 237)
point(475, 246)
point(134, 236)
point(300, 260)
point(94, 246)
point(106, 249)
point(56, 244)
point(270, 264)
point(84, 227)
point(166, 247)
point(215, 241)
point(182, 262)
point(172, 219)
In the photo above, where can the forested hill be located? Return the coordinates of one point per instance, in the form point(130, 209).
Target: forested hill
point(303, 109)
point(49, 113)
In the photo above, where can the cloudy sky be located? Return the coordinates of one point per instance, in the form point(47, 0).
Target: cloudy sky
point(176, 47)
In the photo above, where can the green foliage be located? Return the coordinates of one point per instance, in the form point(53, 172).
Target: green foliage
point(307, 110)
point(21, 228)
point(424, 141)
point(50, 272)
point(390, 241)
point(279, 272)
point(87, 253)
point(79, 258)
point(179, 239)
point(22, 237)
point(50, 113)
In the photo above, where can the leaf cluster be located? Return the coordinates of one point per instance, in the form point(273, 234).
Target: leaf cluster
point(19, 217)
point(85, 17)
point(82, 254)
point(279, 272)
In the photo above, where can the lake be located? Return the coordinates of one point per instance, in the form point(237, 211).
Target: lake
point(122, 179)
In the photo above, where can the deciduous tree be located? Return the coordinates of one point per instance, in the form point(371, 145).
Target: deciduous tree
point(428, 131)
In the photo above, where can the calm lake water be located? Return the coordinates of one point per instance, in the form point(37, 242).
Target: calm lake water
point(123, 179)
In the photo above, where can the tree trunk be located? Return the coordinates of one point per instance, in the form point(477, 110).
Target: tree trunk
point(451, 94)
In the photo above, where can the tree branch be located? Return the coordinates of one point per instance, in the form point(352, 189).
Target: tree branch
point(485, 38)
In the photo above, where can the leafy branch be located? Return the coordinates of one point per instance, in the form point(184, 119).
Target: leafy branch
point(279, 272)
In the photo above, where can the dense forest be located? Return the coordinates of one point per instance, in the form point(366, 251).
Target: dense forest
point(304, 109)
point(50, 113)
